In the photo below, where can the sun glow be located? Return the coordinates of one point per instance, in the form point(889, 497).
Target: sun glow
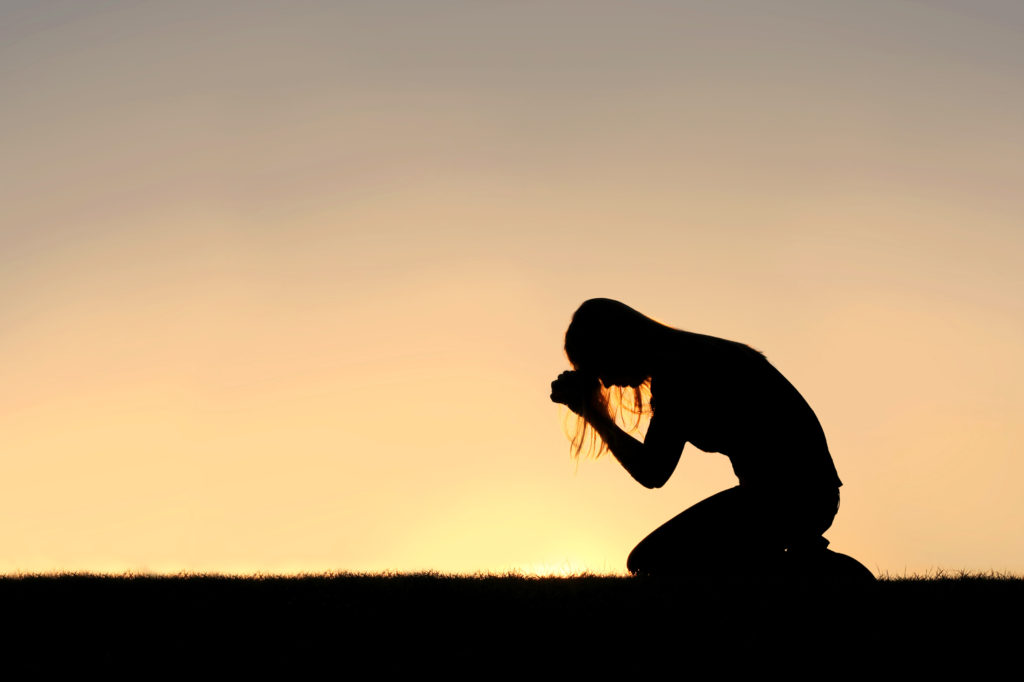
point(565, 569)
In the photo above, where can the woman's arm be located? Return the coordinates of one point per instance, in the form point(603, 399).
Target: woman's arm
point(650, 462)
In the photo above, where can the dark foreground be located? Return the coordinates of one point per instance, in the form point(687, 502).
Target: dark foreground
point(495, 626)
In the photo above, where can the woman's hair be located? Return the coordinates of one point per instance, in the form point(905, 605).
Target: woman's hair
point(628, 406)
point(601, 329)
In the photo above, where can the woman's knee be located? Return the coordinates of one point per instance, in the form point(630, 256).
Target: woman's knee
point(632, 563)
point(639, 560)
point(636, 561)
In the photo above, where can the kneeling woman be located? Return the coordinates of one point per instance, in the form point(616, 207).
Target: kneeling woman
point(723, 397)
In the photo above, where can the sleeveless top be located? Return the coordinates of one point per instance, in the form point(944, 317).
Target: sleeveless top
point(728, 399)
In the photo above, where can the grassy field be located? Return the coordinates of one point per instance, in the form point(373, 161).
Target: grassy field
point(482, 624)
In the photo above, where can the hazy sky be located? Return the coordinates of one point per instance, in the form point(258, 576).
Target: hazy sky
point(283, 284)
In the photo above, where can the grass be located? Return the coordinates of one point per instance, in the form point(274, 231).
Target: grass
point(943, 575)
point(509, 622)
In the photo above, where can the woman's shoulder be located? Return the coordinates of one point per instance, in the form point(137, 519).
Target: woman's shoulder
point(709, 365)
point(701, 354)
point(711, 349)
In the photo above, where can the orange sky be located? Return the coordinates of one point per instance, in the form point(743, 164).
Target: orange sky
point(284, 283)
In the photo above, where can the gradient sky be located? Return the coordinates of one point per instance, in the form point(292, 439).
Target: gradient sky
point(283, 284)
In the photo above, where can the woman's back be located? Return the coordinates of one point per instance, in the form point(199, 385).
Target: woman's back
point(729, 399)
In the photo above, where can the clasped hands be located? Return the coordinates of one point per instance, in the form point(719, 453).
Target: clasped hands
point(575, 390)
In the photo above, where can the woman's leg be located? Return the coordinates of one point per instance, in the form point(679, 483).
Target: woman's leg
point(728, 533)
point(737, 531)
point(806, 517)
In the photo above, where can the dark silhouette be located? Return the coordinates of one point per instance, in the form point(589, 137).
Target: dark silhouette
point(722, 397)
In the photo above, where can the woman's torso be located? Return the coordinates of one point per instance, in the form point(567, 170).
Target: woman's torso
point(729, 399)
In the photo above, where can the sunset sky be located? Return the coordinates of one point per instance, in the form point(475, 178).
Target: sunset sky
point(283, 284)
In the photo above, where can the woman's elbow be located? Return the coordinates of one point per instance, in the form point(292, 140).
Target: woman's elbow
point(653, 482)
point(650, 471)
point(658, 470)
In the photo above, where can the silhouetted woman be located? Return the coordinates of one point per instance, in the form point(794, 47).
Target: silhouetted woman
point(723, 397)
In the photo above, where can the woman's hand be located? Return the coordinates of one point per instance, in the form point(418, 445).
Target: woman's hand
point(574, 390)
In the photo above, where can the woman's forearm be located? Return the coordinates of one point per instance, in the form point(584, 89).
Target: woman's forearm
point(627, 450)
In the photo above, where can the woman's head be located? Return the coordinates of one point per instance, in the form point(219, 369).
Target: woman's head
point(611, 341)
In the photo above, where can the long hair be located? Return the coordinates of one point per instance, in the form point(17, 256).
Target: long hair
point(600, 327)
point(630, 408)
